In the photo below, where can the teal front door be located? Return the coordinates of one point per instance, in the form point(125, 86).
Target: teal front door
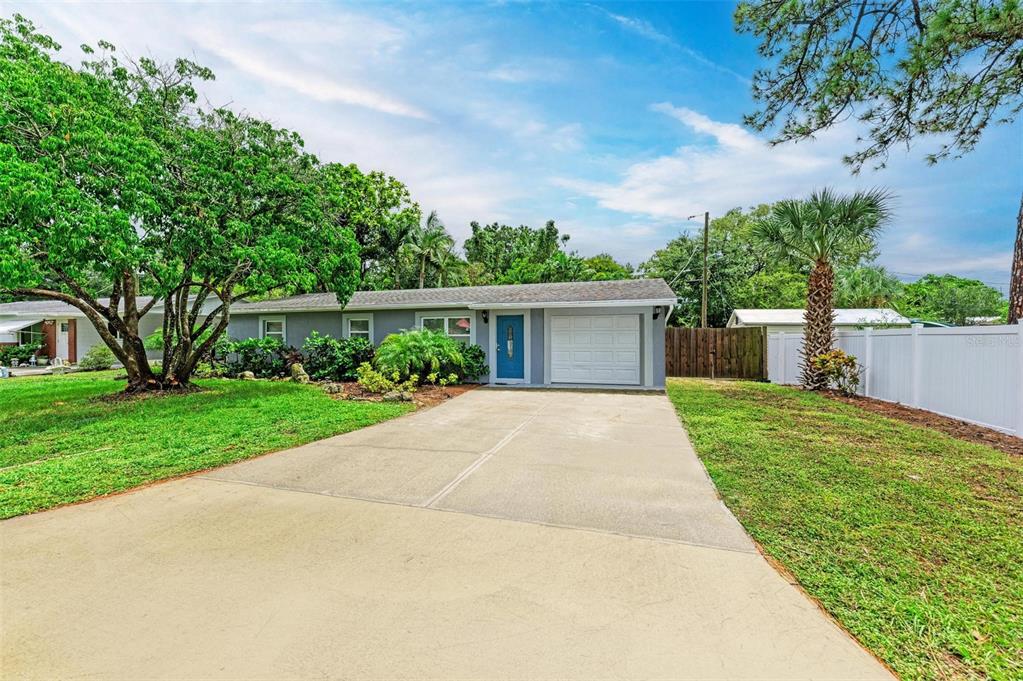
point(510, 347)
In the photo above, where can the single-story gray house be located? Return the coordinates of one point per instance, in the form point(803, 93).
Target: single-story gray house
point(581, 333)
point(576, 333)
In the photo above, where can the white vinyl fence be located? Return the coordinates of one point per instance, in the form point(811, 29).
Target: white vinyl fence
point(972, 373)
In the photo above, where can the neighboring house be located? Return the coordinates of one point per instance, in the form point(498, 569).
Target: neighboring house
point(586, 333)
point(791, 320)
point(63, 330)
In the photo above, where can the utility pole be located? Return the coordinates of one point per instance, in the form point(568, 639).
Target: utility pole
point(703, 303)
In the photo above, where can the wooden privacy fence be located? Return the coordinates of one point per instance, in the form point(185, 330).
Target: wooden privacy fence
point(716, 353)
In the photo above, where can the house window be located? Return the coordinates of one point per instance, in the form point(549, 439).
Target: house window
point(360, 327)
point(458, 327)
point(32, 335)
point(273, 327)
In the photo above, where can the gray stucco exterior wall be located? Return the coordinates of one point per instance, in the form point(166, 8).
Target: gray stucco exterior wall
point(536, 354)
point(658, 332)
point(385, 322)
point(241, 327)
point(298, 326)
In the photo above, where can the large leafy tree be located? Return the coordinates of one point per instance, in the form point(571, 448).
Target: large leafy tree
point(496, 249)
point(111, 183)
point(379, 210)
point(821, 231)
point(909, 69)
point(949, 299)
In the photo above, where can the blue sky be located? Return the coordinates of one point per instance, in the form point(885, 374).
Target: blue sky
point(616, 120)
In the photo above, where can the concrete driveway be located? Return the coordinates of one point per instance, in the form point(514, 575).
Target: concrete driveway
point(504, 534)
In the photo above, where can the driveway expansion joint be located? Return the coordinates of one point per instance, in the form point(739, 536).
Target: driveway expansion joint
point(484, 516)
point(483, 458)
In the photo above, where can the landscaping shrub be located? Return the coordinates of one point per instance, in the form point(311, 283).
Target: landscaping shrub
point(839, 371)
point(474, 362)
point(333, 359)
point(419, 353)
point(98, 358)
point(22, 353)
point(375, 381)
point(264, 357)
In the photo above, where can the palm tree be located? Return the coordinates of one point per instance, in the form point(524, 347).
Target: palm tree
point(450, 268)
point(867, 286)
point(820, 231)
point(428, 242)
point(391, 239)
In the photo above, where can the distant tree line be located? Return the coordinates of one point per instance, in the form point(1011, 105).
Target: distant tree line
point(744, 274)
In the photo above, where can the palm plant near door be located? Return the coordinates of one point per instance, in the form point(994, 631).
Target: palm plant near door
point(824, 230)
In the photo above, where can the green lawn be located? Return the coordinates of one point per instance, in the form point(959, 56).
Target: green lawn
point(59, 443)
point(911, 539)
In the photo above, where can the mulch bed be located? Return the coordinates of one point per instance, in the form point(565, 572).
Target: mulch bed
point(424, 396)
point(961, 430)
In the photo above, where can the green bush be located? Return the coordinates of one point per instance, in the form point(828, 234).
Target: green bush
point(839, 369)
point(374, 381)
point(98, 358)
point(22, 353)
point(474, 363)
point(264, 357)
point(419, 353)
point(333, 359)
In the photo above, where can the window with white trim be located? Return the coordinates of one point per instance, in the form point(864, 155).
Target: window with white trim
point(458, 327)
point(273, 327)
point(360, 328)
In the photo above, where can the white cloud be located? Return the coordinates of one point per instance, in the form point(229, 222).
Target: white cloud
point(645, 29)
point(737, 170)
point(531, 70)
point(304, 79)
point(640, 27)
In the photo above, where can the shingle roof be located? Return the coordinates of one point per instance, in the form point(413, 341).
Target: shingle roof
point(52, 308)
point(641, 291)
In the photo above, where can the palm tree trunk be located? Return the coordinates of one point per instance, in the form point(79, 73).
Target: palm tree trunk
point(819, 333)
point(422, 272)
point(1016, 282)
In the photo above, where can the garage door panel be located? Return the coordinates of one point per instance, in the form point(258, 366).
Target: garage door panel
point(595, 349)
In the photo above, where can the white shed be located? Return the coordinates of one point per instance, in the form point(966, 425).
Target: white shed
point(791, 320)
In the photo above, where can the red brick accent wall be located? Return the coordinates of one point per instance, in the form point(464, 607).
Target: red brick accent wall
point(49, 337)
point(72, 341)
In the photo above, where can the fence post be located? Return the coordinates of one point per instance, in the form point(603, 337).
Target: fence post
point(763, 355)
point(1019, 381)
point(915, 362)
point(783, 371)
point(868, 358)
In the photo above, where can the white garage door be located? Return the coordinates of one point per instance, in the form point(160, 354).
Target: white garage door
point(597, 349)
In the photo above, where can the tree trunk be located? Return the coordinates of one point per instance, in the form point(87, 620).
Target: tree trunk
point(819, 333)
point(422, 272)
point(140, 375)
point(1016, 282)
